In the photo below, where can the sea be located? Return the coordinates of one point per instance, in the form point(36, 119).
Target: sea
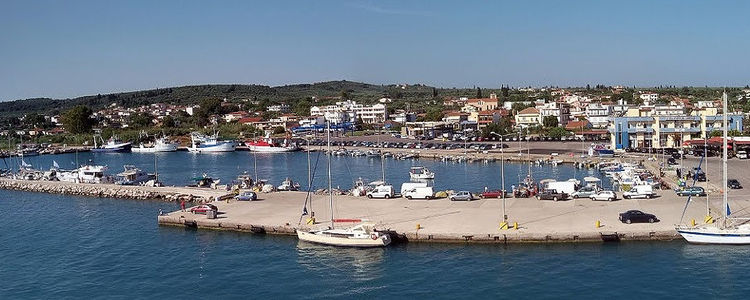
point(66, 247)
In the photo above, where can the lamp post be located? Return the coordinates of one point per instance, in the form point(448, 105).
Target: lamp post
point(502, 173)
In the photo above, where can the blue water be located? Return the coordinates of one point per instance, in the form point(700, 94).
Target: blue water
point(178, 168)
point(74, 247)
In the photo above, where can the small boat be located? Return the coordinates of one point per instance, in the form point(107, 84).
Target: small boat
point(162, 144)
point(288, 185)
point(84, 174)
point(363, 235)
point(28, 152)
point(113, 144)
point(269, 146)
point(243, 181)
point(207, 144)
point(133, 176)
point(204, 181)
point(420, 173)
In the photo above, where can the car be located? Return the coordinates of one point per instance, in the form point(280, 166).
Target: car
point(692, 191)
point(553, 195)
point(584, 192)
point(671, 161)
point(742, 154)
point(604, 196)
point(637, 216)
point(246, 196)
point(462, 196)
point(203, 208)
point(492, 194)
point(734, 184)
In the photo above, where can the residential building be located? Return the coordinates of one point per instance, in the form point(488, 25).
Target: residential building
point(403, 117)
point(559, 110)
point(668, 131)
point(427, 129)
point(528, 117)
point(650, 97)
point(282, 108)
point(351, 111)
point(480, 104)
point(598, 114)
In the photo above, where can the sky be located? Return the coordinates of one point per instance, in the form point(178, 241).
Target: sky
point(62, 49)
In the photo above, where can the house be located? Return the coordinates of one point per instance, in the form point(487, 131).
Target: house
point(480, 104)
point(234, 116)
point(598, 114)
point(250, 120)
point(651, 97)
point(351, 111)
point(578, 125)
point(282, 108)
point(528, 117)
point(559, 110)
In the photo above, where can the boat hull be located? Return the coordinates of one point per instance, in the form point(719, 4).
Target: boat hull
point(225, 147)
point(116, 148)
point(317, 238)
point(715, 236)
point(162, 148)
point(267, 149)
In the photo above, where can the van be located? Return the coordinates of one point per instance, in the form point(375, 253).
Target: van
point(381, 191)
point(419, 193)
point(640, 191)
point(411, 185)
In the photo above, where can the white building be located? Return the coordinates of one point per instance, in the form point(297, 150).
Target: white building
point(598, 114)
point(282, 108)
point(350, 111)
point(557, 109)
point(650, 97)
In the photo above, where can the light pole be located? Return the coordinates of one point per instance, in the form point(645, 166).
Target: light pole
point(502, 174)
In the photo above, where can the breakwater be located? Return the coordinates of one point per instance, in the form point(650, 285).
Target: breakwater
point(114, 191)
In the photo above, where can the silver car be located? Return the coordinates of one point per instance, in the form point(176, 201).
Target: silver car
point(584, 192)
point(462, 196)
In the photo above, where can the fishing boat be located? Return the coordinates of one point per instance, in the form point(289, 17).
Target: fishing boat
point(113, 144)
point(288, 185)
point(207, 144)
point(724, 232)
point(363, 235)
point(268, 145)
point(133, 176)
point(420, 173)
point(84, 174)
point(204, 181)
point(162, 144)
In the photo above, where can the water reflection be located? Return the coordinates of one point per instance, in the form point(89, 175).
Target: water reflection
point(360, 264)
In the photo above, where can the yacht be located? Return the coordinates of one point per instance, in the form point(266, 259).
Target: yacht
point(288, 185)
point(84, 174)
point(206, 144)
point(133, 176)
point(420, 173)
point(162, 144)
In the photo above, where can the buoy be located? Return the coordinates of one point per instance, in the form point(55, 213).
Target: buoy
point(598, 223)
point(692, 222)
point(515, 225)
point(503, 225)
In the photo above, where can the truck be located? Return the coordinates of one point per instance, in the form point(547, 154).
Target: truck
point(406, 186)
point(550, 194)
point(419, 193)
point(639, 191)
point(381, 191)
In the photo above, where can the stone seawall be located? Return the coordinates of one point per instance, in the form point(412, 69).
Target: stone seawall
point(113, 191)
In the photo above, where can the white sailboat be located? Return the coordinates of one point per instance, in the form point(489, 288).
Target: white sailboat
point(363, 235)
point(722, 232)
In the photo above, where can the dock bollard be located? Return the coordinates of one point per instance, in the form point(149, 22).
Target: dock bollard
point(503, 225)
point(708, 220)
point(692, 222)
point(515, 225)
point(598, 224)
point(419, 226)
point(311, 221)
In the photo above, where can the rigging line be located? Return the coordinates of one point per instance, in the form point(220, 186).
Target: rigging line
point(695, 179)
point(309, 188)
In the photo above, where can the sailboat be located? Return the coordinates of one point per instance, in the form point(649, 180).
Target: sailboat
point(362, 235)
point(722, 232)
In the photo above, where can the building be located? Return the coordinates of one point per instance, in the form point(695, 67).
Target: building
point(528, 117)
point(560, 110)
point(351, 111)
point(282, 108)
point(666, 131)
point(480, 104)
point(598, 114)
point(427, 129)
point(650, 97)
point(403, 117)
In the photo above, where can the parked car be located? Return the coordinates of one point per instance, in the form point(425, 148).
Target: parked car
point(639, 191)
point(636, 216)
point(553, 195)
point(246, 196)
point(492, 194)
point(203, 208)
point(604, 196)
point(584, 192)
point(742, 154)
point(462, 196)
point(671, 161)
point(692, 191)
point(734, 184)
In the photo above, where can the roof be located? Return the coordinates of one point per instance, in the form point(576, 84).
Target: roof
point(528, 111)
point(577, 124)
point(250, 120)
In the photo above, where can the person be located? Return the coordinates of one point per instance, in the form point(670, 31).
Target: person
point(182, 205)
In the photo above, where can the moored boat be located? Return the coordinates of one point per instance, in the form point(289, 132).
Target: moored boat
point(420, 173)
point(113, 144)
point(133, 176)
point(207, 144)
point(268, 145)
point(162, 144)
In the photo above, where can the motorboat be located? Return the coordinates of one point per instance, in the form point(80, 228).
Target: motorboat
point(207, 144)
point(162, 144)
point(84, 174)
point(133, 176)
point(268, 145)
point(113, 144)
point(288, 185)
point(204, 181)
point(243, 181)
point(420, 173)
point(363, 235)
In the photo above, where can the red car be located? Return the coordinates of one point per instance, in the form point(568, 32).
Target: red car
point(492, 194)
point(203, 208)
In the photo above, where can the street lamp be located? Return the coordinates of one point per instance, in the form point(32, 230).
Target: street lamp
point(502, 173)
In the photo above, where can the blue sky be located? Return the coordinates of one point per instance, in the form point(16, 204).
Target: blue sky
point(64, 49)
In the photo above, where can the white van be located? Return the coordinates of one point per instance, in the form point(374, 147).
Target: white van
point(381, 191)
point(411, 185)
point(742, 154)
point(419, 193)
point(640, 191)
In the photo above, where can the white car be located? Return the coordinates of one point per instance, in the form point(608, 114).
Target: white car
point(604, 196)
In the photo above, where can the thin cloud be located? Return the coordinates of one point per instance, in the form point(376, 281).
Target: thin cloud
point(389, 11)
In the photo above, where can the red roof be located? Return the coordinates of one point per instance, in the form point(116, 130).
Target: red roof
point(577, 124)
point(250, 120)
point(529, 110)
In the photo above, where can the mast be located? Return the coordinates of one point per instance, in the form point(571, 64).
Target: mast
point(330, 190)
point(724, 158)
point(255, 161)
point(382, 166)
point(309, 174)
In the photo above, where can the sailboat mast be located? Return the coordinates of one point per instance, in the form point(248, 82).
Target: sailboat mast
point(330, 187)
point(724, 158)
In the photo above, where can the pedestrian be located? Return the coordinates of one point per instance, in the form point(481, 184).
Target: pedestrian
point(182, 205)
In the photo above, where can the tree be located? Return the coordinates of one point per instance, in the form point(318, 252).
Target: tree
point(550, 121)
point(479, 92)
point(434, 93)
point(140, 120)
point(279, 130)
point(78, 119)
point(557, 132)
point(168, 121)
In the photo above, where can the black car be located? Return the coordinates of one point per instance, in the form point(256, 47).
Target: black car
point(671, 161)
point(734, 184)
point(636, 216)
